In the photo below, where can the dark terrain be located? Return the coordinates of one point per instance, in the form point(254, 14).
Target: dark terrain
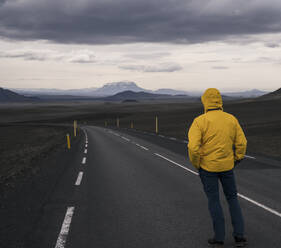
point(33, 137)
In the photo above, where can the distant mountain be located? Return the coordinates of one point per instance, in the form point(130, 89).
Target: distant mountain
point(170, 92)
point(10, 96)
point(131, 95)
point(114, 88)
point(272, 95)
point(246, 94)
point(87, 92)
point(111, 89)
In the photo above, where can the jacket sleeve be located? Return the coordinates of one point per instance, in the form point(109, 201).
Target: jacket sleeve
point(194, 144)
point(240, 143)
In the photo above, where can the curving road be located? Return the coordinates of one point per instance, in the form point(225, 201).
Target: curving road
point(129, 189)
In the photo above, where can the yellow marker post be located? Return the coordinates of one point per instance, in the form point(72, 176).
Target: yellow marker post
point(132, 124)
point(118, 124)
point(156, 124)
point(68, 141)
point(75, 127)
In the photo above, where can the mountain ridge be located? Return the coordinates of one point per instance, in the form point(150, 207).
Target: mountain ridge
point(110, 89)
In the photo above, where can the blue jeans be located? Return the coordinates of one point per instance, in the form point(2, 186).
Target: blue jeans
point(211, 187)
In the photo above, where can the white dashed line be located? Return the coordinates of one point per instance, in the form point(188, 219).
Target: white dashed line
point(142, 147)
point(86, 145)
point(84, 160)
point(124, 138)
point(240, 195)
point(85, 151)
point(65, 228)
point(162, 136)
point(246, 156)
point(79, 178)
point(172, 138)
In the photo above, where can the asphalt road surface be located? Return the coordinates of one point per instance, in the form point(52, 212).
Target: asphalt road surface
point(129, 189)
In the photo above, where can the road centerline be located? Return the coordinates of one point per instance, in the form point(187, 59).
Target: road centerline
point(84, 160)
point(65, 228)
point(79, 178)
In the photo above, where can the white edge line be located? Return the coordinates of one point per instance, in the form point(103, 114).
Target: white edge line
point(84, 160)
point(65, 228)
point(86, 150)
point(260, 205)
point(171, 161)
point(79, 178)
point(240, 195)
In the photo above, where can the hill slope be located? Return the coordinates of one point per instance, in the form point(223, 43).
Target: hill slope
point(132, 95)
point(273, 95)
point(10, 96)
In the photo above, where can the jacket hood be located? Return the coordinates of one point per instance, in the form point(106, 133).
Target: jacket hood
point(211, 99)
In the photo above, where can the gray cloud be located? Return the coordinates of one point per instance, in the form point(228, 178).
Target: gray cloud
point(145, 56)
point(212, 61)
point(26, 55)
point(126, 21)
point(79, 56)
point(270, 60)
point(220, 67)
point(272, 45)
point(166, 67)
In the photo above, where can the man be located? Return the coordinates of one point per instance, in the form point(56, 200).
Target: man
point(216, 143)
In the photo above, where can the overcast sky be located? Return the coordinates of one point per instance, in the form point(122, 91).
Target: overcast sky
point(180, 44)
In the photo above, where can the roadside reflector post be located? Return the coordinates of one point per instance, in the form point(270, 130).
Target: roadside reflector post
point(118, 124)
point(132, 124)
point(156, 125)
point(68, 141)
point(75, 127)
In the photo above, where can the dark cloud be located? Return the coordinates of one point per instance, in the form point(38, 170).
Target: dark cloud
point(126, 21)
point(153, 68)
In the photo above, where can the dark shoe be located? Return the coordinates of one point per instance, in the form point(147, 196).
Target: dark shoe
point(240, 242)
point(215, 243)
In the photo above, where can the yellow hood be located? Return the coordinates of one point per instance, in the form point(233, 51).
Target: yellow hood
point(211, 99)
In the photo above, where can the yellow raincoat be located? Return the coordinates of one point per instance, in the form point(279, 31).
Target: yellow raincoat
point(216, 139)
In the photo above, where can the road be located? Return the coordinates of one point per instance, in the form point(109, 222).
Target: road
point(130, 189)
